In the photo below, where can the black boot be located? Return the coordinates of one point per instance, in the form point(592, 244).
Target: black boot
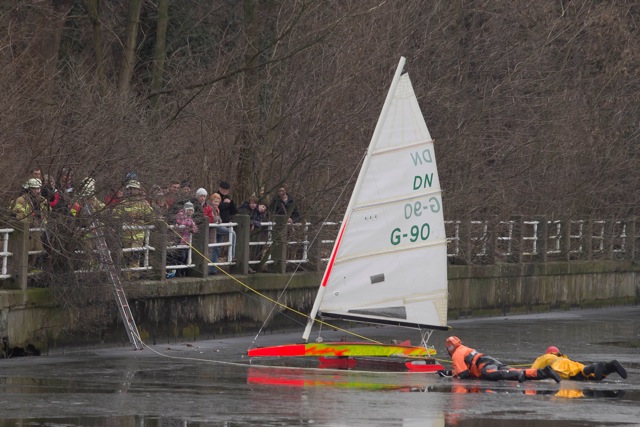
point(599, 371)
point(615, 366)
point(514, 374)
point(548, 372)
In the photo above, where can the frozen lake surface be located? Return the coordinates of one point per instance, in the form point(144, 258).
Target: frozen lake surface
point(212, 382)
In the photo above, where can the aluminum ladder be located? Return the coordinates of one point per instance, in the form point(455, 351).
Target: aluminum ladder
point(107, 263)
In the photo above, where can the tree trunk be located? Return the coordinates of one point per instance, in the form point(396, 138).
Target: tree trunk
point(159, 53)
point(93, 7)
point(129, 52)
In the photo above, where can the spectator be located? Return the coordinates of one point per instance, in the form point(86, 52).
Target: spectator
point(50, 192)
point(158, 202)
point(36, 172)
point(186, 227)
point(227, 210)
point(65, 193)
point(227, 205)
point(172, 193)
point(182, 196)
point(258, 214)
point(202, 218)
point(34, 208)
point(66, 180)
point(285, 205)
point(214, 218)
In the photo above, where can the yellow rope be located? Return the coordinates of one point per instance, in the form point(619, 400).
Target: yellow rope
point(277, 302)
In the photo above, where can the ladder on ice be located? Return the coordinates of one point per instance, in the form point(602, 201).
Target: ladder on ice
point(121, 299)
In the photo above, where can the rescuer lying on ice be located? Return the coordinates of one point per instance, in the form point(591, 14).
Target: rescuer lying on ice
point(468, 363)
point(572, 370)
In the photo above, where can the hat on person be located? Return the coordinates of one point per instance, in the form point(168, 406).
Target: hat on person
point(185, 183)
point(188, 205)
point(552, 349)
point(225, 185)
point(133, 184)
point(33, 183)
point(201, 192)
point(88, 187)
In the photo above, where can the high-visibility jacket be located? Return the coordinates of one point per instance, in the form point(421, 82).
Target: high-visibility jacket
point(465, 362)
point(33, 208)
point(134, 212)
point(564, 366)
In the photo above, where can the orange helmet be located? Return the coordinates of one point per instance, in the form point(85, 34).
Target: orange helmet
point(552, 349)
point(452, 343)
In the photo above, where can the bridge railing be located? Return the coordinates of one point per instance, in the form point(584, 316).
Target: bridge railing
point(277, 246)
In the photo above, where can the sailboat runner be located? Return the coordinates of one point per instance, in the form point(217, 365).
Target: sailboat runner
point(389, 262)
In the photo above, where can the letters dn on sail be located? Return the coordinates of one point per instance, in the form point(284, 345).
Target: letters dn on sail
point(420, 159)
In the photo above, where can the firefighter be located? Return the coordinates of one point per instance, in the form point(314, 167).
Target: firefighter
point(34, 208)
point(134, 211)
point(571, 370)
point(469, 363)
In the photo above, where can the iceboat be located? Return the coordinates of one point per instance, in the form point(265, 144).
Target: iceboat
point(388, 265)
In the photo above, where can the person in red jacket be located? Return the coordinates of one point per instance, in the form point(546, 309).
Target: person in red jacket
point(469, 363)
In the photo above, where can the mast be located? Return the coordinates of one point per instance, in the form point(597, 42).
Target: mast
point(356, 190)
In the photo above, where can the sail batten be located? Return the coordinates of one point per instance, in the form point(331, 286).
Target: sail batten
point(404, 147)
point(364, 206)
point(387, 251)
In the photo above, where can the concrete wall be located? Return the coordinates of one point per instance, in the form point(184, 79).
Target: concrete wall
point(196, 309)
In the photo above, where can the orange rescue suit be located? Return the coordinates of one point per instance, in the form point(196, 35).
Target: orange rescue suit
point(464, 362)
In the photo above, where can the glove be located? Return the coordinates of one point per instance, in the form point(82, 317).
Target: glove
point(445, 374)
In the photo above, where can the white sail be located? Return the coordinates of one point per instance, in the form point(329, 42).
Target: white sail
point(389, 263)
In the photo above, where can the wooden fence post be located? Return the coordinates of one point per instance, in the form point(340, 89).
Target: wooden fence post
point(630, 241)
point(158, 258)
point(242, 244)
point(19, 263)
point(279, 246)
point(199, 252)
point(542, 237)
point(517, 240)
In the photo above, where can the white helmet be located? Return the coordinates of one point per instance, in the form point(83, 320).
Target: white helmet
point(33, 183)
point(133, 184)
point(88, 187)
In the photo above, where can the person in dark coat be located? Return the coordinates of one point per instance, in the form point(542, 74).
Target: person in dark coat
point(285, 205)
point(227, 209)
